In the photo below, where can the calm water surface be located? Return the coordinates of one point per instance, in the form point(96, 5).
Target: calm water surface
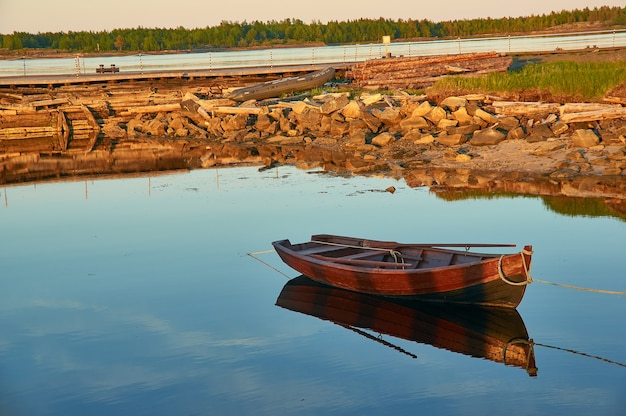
point(137, 296)
point(313, 55)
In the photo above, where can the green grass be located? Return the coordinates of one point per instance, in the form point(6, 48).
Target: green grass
point(588, 80)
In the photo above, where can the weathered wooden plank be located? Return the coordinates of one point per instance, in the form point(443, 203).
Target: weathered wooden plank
point(238, 110)
point(581, 107)
point(608, 114)
point(47, 103)
point(513, 108)
point(152, 109)
point(26, 132)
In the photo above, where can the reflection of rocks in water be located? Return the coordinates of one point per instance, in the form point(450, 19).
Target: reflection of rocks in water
point(123, 156)
point(109, 158)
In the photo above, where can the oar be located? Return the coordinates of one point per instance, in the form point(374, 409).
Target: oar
point(378, 244)
point(383, 245)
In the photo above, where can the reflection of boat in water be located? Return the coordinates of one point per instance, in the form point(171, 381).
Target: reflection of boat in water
point(495, 334)
point(431, 272)
point(280, 86)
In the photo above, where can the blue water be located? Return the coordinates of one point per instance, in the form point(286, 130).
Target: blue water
point(335, 54)
point(137, 296)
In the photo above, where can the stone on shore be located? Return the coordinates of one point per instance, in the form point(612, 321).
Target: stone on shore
point(462, 116)
point(435, 115)
point(487, 137)
point(351, 110)
point(585, 138)
point(414, 122)
point(487, 117)
point(451, 139)
point(334, 104)
point(453, 103)
point(383, 139)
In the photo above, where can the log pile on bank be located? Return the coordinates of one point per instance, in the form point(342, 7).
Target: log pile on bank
point(423, 71)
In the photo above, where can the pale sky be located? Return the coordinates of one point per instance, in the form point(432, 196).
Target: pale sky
point(34, 16)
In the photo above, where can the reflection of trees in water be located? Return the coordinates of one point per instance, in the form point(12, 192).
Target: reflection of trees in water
point(561, 204)
point(591, 207)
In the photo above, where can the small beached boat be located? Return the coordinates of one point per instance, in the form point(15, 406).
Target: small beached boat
point(430, 272)
point(280, 86)
point(494, 334)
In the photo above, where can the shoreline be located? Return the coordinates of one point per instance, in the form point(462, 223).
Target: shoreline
point(73, 130)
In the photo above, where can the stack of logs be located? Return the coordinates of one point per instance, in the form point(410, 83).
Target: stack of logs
point(420, 72)
point(72, 117)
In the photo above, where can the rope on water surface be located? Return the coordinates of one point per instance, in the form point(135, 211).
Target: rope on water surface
point(529, 280)
point(608, 292)
point(584, 354)
point(253, 255)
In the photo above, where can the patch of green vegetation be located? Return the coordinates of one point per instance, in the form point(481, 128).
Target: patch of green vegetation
point(587, 80)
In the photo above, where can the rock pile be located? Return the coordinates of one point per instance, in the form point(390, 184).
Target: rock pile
point(406, 129)
point(360, 134)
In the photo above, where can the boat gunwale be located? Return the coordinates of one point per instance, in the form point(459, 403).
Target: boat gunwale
point(346, 267)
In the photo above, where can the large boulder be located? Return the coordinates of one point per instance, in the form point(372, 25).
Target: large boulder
point(451, 139)
point(539, 132)
point(422, 109)
point(467, 129)
point(516, 133)
point(559, 128)
point(487, 137)
point(453, 103)
point(462, 116)
point(333, 104)
point(414, 122)
point(487, 117)
point(235, 122)
point(351, 110)
point(383, 139)
point(339, 128)
point(113, 129)
point(435, 115)
point(389, 116)
point(508, 123)
point(156, 127)
point(585, 138)
point(310, 119)
point(265, 123)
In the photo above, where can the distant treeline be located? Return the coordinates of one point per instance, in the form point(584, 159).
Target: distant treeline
point(293, 31)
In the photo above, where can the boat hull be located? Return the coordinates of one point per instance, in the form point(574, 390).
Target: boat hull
point(495, 334)
point(281, 86)
point(482, 279)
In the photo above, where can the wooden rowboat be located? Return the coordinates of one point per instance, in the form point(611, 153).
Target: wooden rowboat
point(430, 272)
point(280, 86)
point(494, 334)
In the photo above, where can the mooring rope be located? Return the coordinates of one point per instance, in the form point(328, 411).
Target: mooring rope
point(528, 280)
point(254, 256)
point(586, 289)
